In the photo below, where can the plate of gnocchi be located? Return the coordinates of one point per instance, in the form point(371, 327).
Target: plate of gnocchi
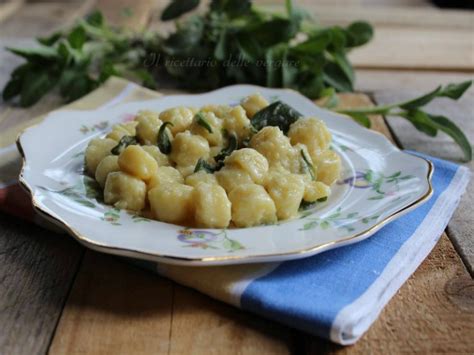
point(242, 174)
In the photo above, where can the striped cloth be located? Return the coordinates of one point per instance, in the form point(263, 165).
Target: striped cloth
point(336, 295)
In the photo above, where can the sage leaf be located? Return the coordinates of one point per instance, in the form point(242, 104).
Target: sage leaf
point(308, 165)
point(277, 114)
point(225, 152)
point(178, 7)
point(422, 100)
point(306, 205)
point(95, 19)
point(35, 54)
point(335, 77)
point(359, 33)
point(37, 84)
point(249, 48)
point(455, 91)
point(163, 140)
point(77, 37)
point(220, 52)
point(421, 121)
point(343, 63)
point(450, 128)
point(452, 91)
point(124, 142)
point(331, 98)
point(203, 165)
point(360, 118)
point(314, 45)
point(201, 120)
point(50, 40)
point(232, 8)
point(12, 88)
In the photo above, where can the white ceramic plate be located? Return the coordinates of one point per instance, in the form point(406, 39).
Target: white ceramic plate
point(378, 183)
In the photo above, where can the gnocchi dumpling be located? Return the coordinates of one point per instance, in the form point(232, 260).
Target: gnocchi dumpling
point(286, 191)
point(165, 175)
point(122, 129)
point(219, 110)
point(250, 161)
point(97, 150)
point(329, 166)
point(276, 147)
point(213, 208)
point(148, 126)
point(107, 165)
point(172, 203)
point(154, 151)
point(229, 178)
point(135, 161)
point(208, 126)
point(125, 191)
point(187, 149)
point(200, 177)
point(180, 118)
point(311, 132)
point(185, 171)
point(236, 122)
point(252, 206)
point(254, 103)
point(315, 190)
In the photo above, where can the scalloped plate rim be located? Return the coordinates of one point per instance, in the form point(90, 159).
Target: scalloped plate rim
point(226, 259)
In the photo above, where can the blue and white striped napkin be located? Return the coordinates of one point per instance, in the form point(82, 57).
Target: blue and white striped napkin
point(338, 294)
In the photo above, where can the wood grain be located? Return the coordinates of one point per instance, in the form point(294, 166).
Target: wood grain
point(39, 19)
point(134, 15)
point(36, 273)
point(460, 227)
point(380, 14)
point(404, 48)
point(433, 313)
point(210, 327)
point(9, 7)
point(115, 308)
point(370, 80)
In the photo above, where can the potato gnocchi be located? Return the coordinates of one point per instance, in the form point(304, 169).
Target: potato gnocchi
point(217, 166)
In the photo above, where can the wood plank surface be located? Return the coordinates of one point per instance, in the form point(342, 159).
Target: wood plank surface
point(433, 313)
point(422, 37)
point(424, 17)
point(36, 272)
point(380, 14)
point(115, 308)
point(202, 325)
point(369, 80)
point(460, 228)
point(9, 7)
point(404, 48)
point(207, 326)
point(41, 18)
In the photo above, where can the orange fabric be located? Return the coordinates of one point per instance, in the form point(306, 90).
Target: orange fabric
point(14, 200)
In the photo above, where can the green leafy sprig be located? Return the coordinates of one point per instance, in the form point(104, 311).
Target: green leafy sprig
point(76, 62)
point(424, 122)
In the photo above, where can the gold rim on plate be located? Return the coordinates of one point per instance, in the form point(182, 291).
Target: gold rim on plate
point(213, 259)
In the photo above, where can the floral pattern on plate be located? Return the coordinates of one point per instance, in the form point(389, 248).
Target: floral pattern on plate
point(379, 183)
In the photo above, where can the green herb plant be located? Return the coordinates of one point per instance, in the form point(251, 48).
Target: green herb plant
point(233, 42)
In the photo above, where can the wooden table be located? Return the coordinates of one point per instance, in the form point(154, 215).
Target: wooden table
point(56, 296)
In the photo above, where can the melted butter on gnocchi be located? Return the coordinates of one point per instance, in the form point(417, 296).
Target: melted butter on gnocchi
point(212, 168)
